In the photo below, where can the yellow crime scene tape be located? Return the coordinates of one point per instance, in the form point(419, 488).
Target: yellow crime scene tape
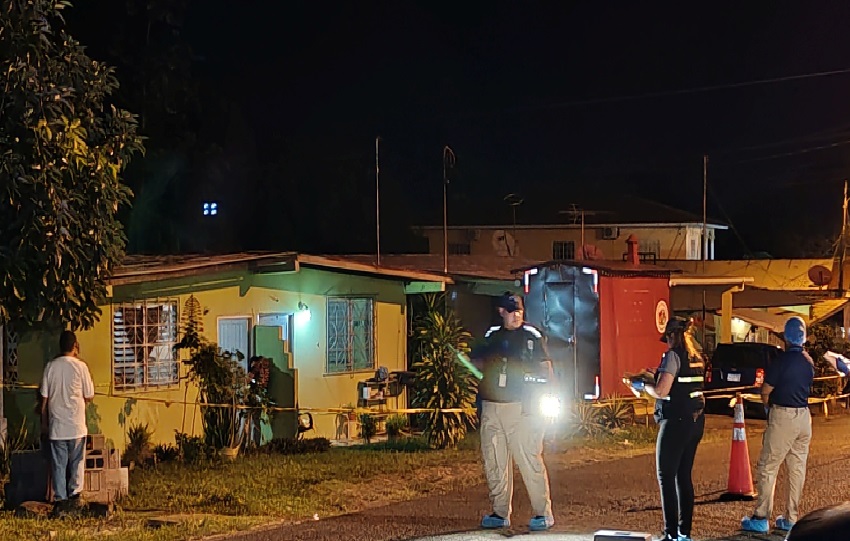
point(329, 411)
point(713, 394)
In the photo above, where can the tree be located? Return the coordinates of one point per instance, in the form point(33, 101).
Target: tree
point(64, 147)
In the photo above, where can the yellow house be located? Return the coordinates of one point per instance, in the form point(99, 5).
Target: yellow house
point(327, 323)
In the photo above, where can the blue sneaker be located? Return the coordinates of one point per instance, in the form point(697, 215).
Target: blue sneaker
point(493, 521)
point(540, 523)
point(684, 538)
point(752, 524)
point(783, 523)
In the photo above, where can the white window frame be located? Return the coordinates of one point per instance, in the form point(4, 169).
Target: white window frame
point(250, 349)
point(162, 341)
point(343, 345)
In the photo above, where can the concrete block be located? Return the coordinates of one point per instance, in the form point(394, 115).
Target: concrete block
point(95, 442)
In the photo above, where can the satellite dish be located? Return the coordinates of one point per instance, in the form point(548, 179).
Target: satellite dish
point(820, 275)
point(504, 244)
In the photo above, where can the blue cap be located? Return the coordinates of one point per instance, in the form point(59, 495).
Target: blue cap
point(510, 302)
point(795, 331)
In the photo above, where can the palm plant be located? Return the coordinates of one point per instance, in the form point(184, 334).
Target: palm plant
point(442, 383)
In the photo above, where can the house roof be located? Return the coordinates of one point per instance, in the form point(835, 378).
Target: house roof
point(138, 268)
point(606, 268)
point(553, 211)
point(487, 267)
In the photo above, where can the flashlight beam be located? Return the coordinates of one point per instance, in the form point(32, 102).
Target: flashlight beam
point(464, 360)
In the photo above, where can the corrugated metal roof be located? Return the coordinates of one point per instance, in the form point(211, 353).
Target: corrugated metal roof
point(138, 268)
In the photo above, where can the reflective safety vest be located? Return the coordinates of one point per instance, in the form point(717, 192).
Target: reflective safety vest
point(685, 396)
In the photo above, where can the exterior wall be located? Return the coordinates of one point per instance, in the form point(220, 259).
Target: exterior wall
point(632, 319)
point(781, 274)
point(537, 243)
point(34, 350)
point(223, 295)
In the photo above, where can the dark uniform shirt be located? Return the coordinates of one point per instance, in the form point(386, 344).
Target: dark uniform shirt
point(791, 375)
point(510, 357)
point(685, 398)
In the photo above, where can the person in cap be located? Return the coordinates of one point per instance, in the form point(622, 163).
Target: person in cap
point(679, 408)
point(511, 357)
point(785, 394)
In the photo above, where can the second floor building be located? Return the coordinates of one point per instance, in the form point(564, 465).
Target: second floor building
point(575, 232)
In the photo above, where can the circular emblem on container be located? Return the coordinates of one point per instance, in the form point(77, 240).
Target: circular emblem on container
point(662, 315)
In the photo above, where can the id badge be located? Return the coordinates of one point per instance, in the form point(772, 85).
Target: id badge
point(503, 380)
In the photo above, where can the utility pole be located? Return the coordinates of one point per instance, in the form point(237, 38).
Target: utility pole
point(581, 249)
point(448, 163)
point(377, 203)
point(704, 205)
point(843, 240)
point(704, 236)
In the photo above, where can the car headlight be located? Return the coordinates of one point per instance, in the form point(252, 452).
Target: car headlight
point(550, 406)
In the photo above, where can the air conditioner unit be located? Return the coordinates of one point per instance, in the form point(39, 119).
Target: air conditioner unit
point(610, 233)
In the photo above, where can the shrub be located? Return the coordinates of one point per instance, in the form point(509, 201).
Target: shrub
point(587, 420)
point(442, 382)
point(616, 413)
point(193, 449)
point(396, 424)
point(165, 452)
point(138, 449)
point(15, 441)
point(292, 446)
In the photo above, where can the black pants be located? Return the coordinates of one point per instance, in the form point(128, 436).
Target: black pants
point(674, 459)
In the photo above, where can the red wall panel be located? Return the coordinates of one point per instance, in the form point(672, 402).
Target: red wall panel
point(630, 311)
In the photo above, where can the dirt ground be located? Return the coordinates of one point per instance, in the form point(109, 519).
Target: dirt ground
point(591, 493)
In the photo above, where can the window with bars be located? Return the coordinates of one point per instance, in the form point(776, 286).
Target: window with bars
point(351, 335)
point(563, 249)
point(143, 338)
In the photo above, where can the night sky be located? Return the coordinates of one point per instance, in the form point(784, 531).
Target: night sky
point(534, 99)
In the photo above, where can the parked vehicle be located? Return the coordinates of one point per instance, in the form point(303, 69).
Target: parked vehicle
point(738, 367)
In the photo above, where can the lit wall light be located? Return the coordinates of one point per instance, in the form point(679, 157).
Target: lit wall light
point(210, 209)
point(303, 315)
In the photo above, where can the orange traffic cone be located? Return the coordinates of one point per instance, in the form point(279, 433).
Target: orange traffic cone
point(740, 487)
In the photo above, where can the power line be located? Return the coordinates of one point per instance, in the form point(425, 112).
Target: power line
point(699, 89)
point(797, 152)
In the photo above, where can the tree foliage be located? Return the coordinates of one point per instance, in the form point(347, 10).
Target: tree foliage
point(64, 147)
point(825, 337)
point(443, 383)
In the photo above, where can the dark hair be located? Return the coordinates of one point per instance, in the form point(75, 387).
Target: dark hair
point(67, 340)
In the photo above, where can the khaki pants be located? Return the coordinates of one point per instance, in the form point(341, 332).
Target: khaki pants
point(789, 431)
point(507, 436)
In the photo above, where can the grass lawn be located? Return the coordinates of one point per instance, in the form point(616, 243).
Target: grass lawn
point(193, 501)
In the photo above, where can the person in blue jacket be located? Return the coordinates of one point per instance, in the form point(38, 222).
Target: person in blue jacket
point(786, 389)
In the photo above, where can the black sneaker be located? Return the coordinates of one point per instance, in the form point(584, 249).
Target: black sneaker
point(60, 509)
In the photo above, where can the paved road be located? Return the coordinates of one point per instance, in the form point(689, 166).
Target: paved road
point(619, 494)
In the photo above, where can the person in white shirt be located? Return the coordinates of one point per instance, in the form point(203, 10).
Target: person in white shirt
point(66, 387)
